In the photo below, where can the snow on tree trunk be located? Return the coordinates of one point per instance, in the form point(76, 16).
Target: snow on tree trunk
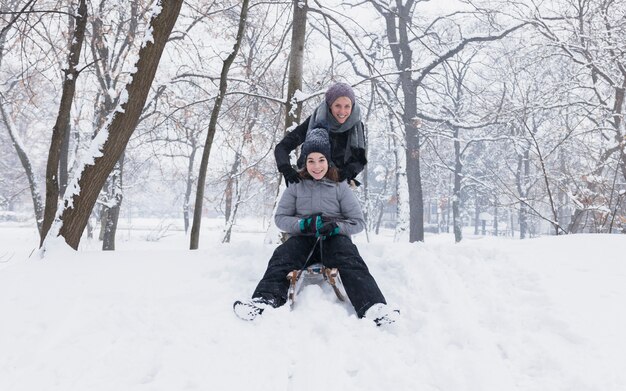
point(402, 191)
point(113, 205)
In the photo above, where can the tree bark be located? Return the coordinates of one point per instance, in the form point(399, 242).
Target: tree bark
point(189, 187)
point(402, 190)
point(555, 217)
point(63, 120)
point(296, 59)
point(64, 160)
point(413, 170)
point(476, 212)
point(456, 193)
point(197, 213)
point(231, 207)
point(231, 186)
point(86, 186)
point(113, 205)
point(521, 177)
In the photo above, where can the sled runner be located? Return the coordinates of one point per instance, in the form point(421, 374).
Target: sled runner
point(314, 273)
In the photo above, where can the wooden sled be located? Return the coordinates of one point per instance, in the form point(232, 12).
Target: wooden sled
point(315, 272)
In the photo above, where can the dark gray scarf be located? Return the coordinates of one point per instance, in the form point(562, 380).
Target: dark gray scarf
point(323, 118)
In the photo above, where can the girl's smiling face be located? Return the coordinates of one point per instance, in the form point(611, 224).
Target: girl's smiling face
point(316, 165)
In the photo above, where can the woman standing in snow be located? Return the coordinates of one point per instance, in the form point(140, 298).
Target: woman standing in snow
point(318, 205)
point(340, 115)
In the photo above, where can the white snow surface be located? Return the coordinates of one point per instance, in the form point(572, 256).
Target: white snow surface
point(485, 314)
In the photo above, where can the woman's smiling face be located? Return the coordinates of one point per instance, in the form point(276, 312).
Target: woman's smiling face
point(341, 109)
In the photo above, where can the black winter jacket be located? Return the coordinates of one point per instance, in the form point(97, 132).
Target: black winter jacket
point(338, 142)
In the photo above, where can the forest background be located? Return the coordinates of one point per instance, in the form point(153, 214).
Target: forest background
point(503, 117)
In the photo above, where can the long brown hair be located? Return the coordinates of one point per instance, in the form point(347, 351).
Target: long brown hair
point(332, 173)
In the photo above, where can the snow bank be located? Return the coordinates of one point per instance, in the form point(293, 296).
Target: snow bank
point(488, 314)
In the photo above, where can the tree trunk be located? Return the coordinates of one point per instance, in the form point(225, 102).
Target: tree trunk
point(113, 205)
point(522, 174)
point(35, 194)
point(189, 187)
point(63, 120)
point(105, 68)
point(402, 208)
point(413, 171)
point(197, 213)
point(397, 26)
point(293, 107)
point(456, 193)
point(234, 206)
point(231, 187)
point(544, 171)
point(495, 215)
point(112, 142)
point(64, 160)
point(476, 213)
point(574, 225)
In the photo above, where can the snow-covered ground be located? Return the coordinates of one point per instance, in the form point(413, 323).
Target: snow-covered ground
point(486, 314)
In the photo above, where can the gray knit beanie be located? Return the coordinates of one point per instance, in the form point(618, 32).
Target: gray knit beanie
point(338, 90)
point(317, 141)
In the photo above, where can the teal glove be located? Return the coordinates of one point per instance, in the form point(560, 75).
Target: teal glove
point(327, 230)
point(310, 224)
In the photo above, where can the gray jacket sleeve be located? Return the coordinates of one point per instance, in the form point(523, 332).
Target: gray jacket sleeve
point(353, 221)
point(285, 217)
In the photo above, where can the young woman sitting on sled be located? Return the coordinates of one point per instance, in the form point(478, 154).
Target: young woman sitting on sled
point(319, 206)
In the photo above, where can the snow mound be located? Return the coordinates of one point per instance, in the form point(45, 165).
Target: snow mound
point(489, 314)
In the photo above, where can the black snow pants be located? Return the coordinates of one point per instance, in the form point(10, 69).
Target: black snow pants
point(337, 251)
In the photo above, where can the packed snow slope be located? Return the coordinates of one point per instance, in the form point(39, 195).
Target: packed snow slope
point(485, 314)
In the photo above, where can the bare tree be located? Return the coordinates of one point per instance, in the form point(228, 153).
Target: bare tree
point(26, 164)
point(16, 141)
point(33, 54)
point(589, 33)
point(111, 142)
point(197, 214)
point(109, 55)
point(293, 106)
point(401, 33)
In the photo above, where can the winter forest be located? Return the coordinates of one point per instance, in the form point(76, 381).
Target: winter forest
point(497, 117)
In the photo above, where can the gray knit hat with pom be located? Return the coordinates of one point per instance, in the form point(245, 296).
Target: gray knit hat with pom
point(338, 90)
point(317, 141)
